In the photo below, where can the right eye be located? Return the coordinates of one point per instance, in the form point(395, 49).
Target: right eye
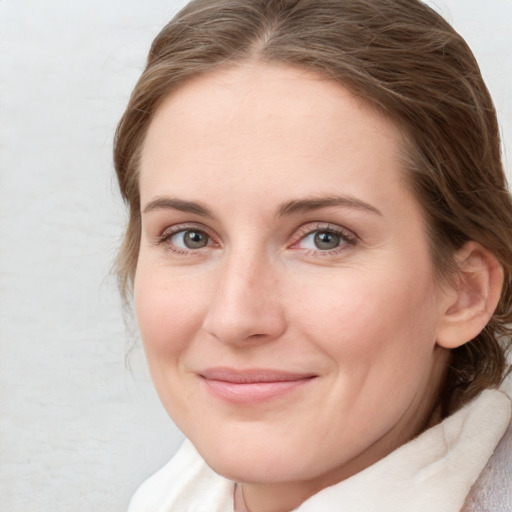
point(185, 239)
point(188, 239)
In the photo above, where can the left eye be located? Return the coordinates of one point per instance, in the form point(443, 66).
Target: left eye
point(190, 239)
point(325, 240)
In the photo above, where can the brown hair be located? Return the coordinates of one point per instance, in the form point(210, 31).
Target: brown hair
point(398, 56)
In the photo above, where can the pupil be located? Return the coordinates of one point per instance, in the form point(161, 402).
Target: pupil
point(327, 240)
point(195, 239)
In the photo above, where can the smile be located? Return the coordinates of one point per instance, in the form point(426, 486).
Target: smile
point(254, 386)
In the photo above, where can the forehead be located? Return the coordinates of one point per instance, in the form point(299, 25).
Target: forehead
point(267, 124)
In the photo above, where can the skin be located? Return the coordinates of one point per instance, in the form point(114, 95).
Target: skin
point(259, 159)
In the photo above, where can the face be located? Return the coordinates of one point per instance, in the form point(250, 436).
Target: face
point(284, 289)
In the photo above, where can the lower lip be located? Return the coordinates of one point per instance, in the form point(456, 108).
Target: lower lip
point(252, 393)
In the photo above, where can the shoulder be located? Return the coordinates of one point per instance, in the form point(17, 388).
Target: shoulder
point(492, 492)
point(184, 483)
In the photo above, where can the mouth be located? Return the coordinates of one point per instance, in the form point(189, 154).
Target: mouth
point(252, 386)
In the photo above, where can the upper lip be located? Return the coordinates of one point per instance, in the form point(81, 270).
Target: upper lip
point(252, 375)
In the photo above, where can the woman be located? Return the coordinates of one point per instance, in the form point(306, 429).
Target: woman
point(320, 251)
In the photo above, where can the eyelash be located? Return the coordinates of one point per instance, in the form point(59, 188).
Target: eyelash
point(346, 238)
point(165, 237)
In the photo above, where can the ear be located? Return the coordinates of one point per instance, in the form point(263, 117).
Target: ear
point(471, 297)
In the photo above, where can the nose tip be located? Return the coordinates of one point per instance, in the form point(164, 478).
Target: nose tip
point(245, 307)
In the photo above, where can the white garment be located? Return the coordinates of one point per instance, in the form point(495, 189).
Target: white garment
point(432, 473)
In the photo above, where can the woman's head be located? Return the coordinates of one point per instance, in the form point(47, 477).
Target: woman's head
point(406, 65)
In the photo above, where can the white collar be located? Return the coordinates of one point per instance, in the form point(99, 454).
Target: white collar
point(433, 472)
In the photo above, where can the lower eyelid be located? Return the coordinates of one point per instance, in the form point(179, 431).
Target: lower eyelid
point(348, 238)
point(165, 240)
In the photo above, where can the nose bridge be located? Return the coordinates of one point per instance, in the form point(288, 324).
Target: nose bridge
point(245, 304)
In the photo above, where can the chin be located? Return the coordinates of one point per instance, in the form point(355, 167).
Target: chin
point(251, 470)
point(242, 460)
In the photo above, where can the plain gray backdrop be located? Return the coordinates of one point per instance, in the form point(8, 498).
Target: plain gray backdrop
point(78, 430)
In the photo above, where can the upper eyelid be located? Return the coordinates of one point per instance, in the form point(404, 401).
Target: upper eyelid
point(296, 235)
point(170, 231)
point(163, 240)
point(184, 226)
point(310, 228)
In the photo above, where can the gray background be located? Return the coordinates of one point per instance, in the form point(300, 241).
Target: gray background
point(78, 429)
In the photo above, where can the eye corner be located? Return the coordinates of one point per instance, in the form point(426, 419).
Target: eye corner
point(186, 239)
point(323, 238)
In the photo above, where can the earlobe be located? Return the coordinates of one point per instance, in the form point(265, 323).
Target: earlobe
point(472, 296)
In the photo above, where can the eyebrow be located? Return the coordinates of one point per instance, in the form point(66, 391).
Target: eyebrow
point(172, 203)
point(316, 203)
point(289, 208)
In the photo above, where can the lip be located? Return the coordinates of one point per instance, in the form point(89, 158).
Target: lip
point(252, 386)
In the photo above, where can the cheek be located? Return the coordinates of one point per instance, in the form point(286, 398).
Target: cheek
point(371, 319)
point(168, 314)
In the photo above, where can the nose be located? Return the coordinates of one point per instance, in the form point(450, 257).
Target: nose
point(246, 307)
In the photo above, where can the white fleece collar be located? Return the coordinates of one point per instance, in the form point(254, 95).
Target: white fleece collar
point(432, 473)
